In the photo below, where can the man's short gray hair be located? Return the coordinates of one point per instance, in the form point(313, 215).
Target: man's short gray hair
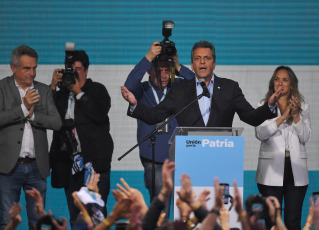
point(20, 51)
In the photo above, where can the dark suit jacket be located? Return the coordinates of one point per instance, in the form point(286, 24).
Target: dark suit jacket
point(12, 121)
point(93, 129)
point(226, 100)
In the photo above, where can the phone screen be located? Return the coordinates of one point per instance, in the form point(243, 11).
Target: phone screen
point(315, 196)
point(225, 192)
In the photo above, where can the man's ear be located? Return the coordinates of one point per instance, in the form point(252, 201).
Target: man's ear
point(13, 68)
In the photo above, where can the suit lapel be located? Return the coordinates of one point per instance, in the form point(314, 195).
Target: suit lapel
point(191, 93)
point(15, 91)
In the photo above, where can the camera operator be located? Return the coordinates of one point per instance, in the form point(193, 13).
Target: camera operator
point(84, 143)
point(150, 93)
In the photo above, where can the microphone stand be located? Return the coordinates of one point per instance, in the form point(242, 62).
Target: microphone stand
point(153, 139)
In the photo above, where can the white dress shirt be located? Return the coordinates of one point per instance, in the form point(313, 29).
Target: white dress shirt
point(27, 144)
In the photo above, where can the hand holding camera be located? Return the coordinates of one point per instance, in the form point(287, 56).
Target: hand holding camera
point(154, 51)
point(56, 78)
point(75, 88)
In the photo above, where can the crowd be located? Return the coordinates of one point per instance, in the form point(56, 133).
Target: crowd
point(194, 212)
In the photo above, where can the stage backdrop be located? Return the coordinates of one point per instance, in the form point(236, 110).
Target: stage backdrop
point(251, 37)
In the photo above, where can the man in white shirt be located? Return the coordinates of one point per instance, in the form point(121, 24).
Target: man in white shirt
point(26, 110)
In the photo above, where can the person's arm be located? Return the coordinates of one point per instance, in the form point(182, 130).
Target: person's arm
point(309, 220)
point(39, 205)
point(46, 113)
point(150, 115)
point(224, 218)
point(315, 213)
point(12, 115)
point(135, 222)
point(135, 77)
point(182, 71)
point(121, 210)
point(135, 195)
point(184, 209)
point(95, 103)
point(15, 218)
point(186, 195)
point(303, 127)
point(56, 78)
point(211, 219)
point(242, 214)
point(158, 204)
point(85, 214)
point(268, 128)
point(275, 212)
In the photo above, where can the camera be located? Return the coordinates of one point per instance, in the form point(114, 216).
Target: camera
point(256, 205)
point(315, 196)
point(168, 47)
point(69, 74)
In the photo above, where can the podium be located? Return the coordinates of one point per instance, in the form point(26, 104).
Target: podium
point(204, 153)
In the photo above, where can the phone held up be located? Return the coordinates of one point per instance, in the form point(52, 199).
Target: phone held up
point(315, 196)
point(225, 192)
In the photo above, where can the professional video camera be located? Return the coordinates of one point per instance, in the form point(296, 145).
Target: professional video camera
point(168, 47)
point(69, 74)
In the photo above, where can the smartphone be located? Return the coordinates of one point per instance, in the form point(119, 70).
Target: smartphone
point(315, 196)
point(225, 192)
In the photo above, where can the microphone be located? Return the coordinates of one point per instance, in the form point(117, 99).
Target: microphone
point(205, 90)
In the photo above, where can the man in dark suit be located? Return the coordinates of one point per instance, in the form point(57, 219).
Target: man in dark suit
point(84, 142)
point(226, 98)
point(26, 110)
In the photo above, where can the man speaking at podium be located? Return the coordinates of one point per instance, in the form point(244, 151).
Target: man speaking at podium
point(223, 97)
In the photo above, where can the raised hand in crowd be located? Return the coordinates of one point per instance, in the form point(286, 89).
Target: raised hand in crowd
point(242, 214)
point(15, 218)
point(85, 214)
point(151, 218)
point(60, 227)
point(128, 192)
point(94, 180)
point(121, 210)
point(39, 205)
point(224, 218)
point(184, 208)
point(309, 220)
point(203, 198)
point(275, 213)
point(315, 213)
point(186, 193)
point(167, 172)
point(135, 222)
point(211, 219)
